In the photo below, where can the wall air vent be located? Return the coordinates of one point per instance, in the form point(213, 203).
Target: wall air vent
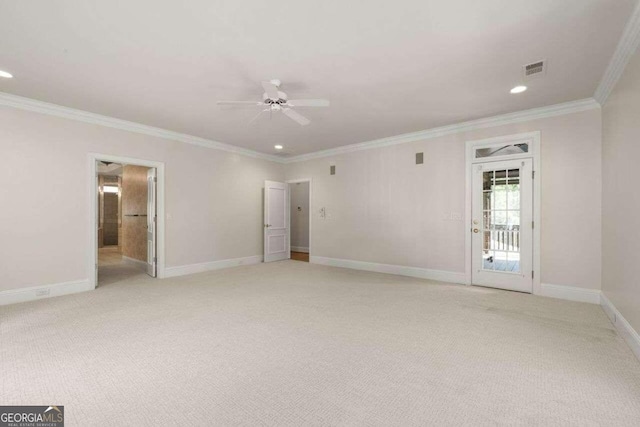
point(535, 69)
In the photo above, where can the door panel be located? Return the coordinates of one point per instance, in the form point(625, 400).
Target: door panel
point(276, 220)
point(152, 222)
point(502, 227)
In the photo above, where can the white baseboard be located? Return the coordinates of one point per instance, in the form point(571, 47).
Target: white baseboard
point(422, 273)
point(623, 327)
point(300, 249)
point(44, 291)
point(135, 261)
point(212, 265)
point(570, 293)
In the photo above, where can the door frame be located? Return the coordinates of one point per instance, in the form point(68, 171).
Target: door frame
point(533, 139)
point(92, 253)
point(295, 181)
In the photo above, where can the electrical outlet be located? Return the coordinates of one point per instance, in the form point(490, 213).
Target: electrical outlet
point(42, 292)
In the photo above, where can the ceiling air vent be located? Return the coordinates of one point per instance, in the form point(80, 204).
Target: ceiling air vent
point(535, 69)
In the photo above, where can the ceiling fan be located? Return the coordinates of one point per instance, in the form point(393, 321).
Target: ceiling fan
point(274, 100)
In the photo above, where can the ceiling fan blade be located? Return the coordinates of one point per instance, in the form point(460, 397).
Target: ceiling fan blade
point(256, 116)
point(308, 102)
point(271, 89)
point(295, 116)
point(251, 103)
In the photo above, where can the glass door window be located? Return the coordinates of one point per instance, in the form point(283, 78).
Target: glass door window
point(501, 220)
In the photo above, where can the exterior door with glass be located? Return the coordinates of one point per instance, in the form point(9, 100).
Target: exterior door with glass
point(502, 225)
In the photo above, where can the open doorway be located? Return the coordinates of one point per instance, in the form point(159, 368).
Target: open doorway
point(125, 221)
point(299, 196)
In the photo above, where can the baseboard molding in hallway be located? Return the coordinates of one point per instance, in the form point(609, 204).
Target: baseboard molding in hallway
point(142, 264)
point(15, 296)
point(303, 249)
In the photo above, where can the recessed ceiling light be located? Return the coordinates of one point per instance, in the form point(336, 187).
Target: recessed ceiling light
point(518, 89)
point(278, 147)
point(5, 74)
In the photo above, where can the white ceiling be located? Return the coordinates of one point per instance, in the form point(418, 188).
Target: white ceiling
point(388, 67)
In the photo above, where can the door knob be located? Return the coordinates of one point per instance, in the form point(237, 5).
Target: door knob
point(475, 230)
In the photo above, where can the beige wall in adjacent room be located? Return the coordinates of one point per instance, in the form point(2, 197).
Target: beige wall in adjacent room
point(134, 212)
point(621, 196)
point(213, 198)
point(111, 220)
point(381, 207)
point(299, 197)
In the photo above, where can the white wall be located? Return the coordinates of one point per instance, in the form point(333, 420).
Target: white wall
point(299, 218)
point(621, 195)
point(213, 198)
point(383, 208)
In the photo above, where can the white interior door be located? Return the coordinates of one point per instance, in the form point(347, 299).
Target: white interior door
point(502, 225)
point(152, 221)
point(276, 221)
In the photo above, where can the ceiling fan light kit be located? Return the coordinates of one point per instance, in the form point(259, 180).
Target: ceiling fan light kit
point(274, 100)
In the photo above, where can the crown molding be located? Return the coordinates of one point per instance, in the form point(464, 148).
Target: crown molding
point(42, 107)
point(504, 119)
point(627, 46)
point(29, 104)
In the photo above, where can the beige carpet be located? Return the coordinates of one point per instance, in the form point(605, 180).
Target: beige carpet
point(292, 343)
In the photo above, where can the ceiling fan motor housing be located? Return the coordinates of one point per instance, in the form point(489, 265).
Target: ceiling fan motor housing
point(282, 98)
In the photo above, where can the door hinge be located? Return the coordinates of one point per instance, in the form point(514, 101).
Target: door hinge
point(533, 223)
point(155, 260)
point(532, 274)
point(533, 174)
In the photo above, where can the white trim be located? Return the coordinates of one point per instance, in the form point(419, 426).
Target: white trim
point(627, 46)
point(623, 327)
point(570, 293)
point(29, 104)
point(300, 249)
point(92, 253)
point(501, 120)
point(211, 265)
point(135, 261)
point(295, 181)
point(533, 138)
point(400, 270)
point(29, 294)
